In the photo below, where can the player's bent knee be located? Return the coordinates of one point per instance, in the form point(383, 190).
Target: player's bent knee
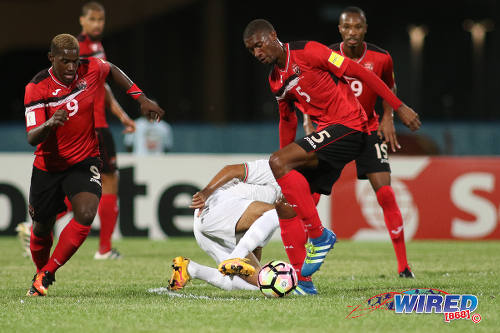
point(85, 216)
point(42, 229)
point(277, 165)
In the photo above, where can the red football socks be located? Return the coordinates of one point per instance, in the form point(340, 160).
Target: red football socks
point(40, 249)
point(108, 212)
point(394, 223)
point(296, 190)
point(70, 240)
point(294, 236)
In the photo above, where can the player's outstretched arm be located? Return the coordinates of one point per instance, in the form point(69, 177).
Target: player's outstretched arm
point(408, 117)
point(115, 107)
point(38, 134)
point(222, 177)
point(386, 129)
point(149, 108)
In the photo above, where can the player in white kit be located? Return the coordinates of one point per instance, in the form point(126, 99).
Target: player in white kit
point(237, 204)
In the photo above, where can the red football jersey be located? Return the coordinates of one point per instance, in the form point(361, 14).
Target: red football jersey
point(76, 139)
point(313, 78)
point(91, 48)
point(379, 61)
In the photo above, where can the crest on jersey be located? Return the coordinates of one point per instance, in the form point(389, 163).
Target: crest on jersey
point(81, 84)
point(368, 65)
point(296, 69)
point(94, 47)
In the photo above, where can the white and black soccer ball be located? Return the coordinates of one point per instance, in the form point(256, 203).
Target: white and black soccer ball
point(277, 279)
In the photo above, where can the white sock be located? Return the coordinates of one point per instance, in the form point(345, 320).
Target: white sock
point(257, 235)
point(215, 278)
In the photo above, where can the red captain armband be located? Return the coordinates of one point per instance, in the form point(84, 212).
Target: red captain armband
point(134, 91)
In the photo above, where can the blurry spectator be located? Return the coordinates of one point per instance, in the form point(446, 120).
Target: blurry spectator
point(150, 138)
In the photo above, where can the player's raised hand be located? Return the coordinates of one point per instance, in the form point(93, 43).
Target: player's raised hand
point(150, 109)
point(58, 118)
point(387, 132)
point(409, 117)
point(198, 202)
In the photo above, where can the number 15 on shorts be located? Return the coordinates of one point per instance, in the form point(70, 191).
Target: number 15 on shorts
point(381, 149)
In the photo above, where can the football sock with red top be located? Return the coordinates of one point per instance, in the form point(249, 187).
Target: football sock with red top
point(108, 213)
point(294, 237)
point(296, 190)
point(40, 249)
point(394, 223)
point(70, 240)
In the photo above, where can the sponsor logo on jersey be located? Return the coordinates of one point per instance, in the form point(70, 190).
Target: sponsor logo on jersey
point(56, 92)
point(336, 59)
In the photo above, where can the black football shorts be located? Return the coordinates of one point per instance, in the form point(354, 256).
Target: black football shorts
point(106, 149)
point(48, 189)
point(335, 146)
point(374, 157)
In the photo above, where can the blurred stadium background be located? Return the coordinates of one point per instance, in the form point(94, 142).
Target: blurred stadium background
point(188, 55)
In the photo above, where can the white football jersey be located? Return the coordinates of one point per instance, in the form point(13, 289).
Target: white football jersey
point(258, 184)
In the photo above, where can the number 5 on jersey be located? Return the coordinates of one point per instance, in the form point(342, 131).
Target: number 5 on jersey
point(303, 94)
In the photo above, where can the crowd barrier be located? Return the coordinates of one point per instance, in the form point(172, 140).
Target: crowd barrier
point(439, 197)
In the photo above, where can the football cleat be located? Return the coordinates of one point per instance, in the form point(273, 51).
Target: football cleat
point(317, 250)
point(180, 274)
point(407, 273)
point(24, 233)
point(111, 255)
point(41, 282)
point(236, 266)
point(305, 288)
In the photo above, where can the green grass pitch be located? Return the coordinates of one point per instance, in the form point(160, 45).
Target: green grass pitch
point(104, 296)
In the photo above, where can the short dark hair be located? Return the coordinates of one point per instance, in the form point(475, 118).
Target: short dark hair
point(63, 42)
point(258, 25)
point(354, 10)
point(93, 5)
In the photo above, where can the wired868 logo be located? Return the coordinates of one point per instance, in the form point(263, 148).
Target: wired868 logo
point(419, 301)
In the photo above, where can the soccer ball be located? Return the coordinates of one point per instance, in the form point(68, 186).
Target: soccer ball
point(277, 279)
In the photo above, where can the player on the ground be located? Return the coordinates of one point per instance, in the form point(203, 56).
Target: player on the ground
point(373, 163)
point(59, 114)
point(311, 74)
point(235, 217)
point(92, 21)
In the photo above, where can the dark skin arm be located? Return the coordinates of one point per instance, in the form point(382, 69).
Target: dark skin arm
point(149, 109)
point(222, 177)
point(308, 125)
point(38, 134)
point(386, 130)
point(115, 108)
